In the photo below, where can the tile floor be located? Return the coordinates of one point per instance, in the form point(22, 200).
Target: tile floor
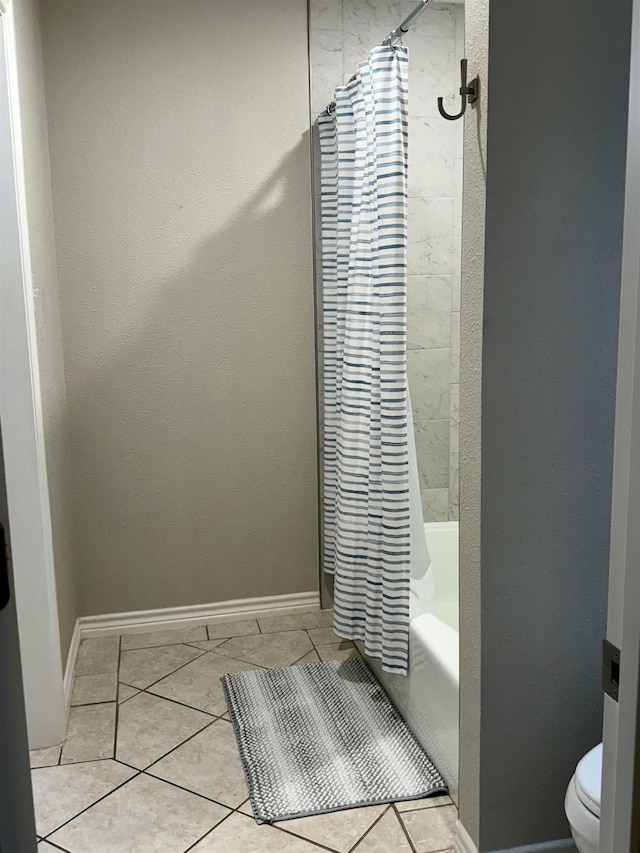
point(150, 764)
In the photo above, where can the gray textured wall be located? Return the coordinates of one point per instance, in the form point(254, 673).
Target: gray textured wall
point(182, 200)
point(47, 313)
point(555, 195)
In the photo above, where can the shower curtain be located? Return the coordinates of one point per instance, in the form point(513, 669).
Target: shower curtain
point(363, 145)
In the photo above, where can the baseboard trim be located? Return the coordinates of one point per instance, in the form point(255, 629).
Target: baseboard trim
point(563, 845)
point(462, 842)
point(70, 667)
point(138, 621)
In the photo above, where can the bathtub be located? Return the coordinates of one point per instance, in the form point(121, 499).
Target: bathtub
point(428, 698)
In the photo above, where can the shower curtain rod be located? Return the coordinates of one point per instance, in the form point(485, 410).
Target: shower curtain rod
point(394, 37)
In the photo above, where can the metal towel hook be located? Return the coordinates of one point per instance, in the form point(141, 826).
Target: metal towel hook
point(468, 93)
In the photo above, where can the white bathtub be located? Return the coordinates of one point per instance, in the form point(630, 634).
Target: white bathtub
point(428, 698)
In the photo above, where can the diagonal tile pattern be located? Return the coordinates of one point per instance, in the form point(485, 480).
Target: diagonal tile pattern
point(337, 830)
point(145, 814)
point(60, 793)
point(141, 667)
point(177, 784)
point(238, 834)
point(207, 764)
point(148, 727)
point(198, 683)
point(384, 836)
point(268, 650)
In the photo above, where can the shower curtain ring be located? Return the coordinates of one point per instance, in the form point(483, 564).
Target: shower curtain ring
point(468, 93)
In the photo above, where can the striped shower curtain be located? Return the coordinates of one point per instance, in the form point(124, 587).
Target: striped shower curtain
point(363, 144)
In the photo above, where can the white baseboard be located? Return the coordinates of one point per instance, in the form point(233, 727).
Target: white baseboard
point(138, 621)
point(563, 845)
point(463, 843)
point(71, 665)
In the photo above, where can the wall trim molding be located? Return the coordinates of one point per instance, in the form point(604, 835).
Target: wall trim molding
point(138, 621)
point(74, 647)
point(562, 845)
point(462, 842)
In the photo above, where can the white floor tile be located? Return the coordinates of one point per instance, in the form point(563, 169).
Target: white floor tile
point(240, 834)
point(148, 727)
point(268, 650)
point(141, 667)
point(232, 629)
point(207, 764)
point(45, 757)
point(60, 793)
point(324, 636)
point(207, 645)
point(311, 657)
point(98, 655)
point(337, 830)
point(168, 637)
point(296, 621)
point(426, 803)
point(198, 683)
point(144, 815)
point(338, 651)
point(90, 733)
point(89, 689)
point(125, 692)
point(387, 835)
point(431, 829)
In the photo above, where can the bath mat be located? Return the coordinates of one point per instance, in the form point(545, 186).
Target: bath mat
point(323, 737)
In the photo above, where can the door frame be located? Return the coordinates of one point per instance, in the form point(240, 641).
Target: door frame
point(23, 434)
point(623, 618)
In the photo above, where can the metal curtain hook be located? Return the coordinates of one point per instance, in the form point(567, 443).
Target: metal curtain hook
point(468, 93)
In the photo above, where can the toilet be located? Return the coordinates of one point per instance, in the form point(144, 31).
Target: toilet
point(582, 802)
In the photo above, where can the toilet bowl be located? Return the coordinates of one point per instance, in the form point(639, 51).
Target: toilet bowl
point(582, 801)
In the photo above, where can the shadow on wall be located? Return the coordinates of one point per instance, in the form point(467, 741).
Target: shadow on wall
point(194, 441)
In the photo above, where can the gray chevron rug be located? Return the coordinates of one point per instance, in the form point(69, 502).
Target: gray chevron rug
point(323, 737)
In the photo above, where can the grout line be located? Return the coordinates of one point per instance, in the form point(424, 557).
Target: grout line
point(57, 846)
point(173, 749)
point(317, 844)
point(188, 791)
point(117, 721)
point(404, 829)
point(182, 666)
point(160, 645)
point(304, 656)
point(177, 702)
point(97, 702)
point(426, 808)
point(99, 800)
point(364, 835)
point(215, 826)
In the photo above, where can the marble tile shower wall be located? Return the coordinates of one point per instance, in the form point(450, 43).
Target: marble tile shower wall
point(342, 33)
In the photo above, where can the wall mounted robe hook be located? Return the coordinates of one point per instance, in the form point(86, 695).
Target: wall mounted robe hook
point(468, 93)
